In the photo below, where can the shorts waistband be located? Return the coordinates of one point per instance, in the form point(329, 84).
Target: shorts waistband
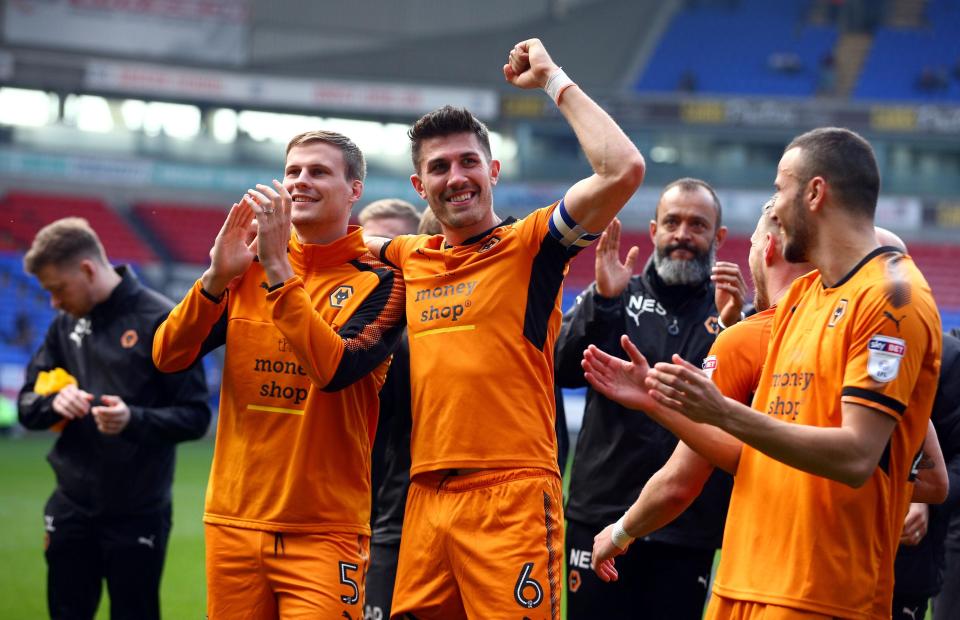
point(450, 480)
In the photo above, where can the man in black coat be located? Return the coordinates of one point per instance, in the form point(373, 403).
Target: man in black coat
point(931, 565)
point(670, 307)
point(119, 418)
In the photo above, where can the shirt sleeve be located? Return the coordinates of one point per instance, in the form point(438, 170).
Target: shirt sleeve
point(592, 320)
point(735, 360)
point(184, 415)
point(197, 325)
point(395, 250)
point(35, 411)
point(889, 344)
point(334, 359)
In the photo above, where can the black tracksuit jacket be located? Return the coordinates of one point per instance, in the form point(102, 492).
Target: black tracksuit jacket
point(109, 352)
point(619, 449)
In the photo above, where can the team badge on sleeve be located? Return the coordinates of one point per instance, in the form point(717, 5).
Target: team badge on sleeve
point(709, 365)
point(885, 353)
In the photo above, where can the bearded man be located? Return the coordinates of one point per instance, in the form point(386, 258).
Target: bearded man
point(670, 307)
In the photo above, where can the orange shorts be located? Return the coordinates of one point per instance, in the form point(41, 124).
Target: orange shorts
point(722, 608)
point(482, 545)
point(254, 574)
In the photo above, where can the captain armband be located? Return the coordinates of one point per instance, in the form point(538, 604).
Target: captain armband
point(570, 234)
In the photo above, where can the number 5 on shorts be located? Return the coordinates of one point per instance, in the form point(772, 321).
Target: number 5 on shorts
point(525, 583)
point(349, 599)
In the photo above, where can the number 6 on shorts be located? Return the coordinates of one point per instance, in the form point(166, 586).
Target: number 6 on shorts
point(523, 583)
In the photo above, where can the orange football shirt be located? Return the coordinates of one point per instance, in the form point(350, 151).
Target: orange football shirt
point(803, 541)
point(298, 398)
point(482, 319)
point(736, 358)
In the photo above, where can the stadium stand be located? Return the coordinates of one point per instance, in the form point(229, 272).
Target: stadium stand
point(25, 213)
point(598, 42)
point(24, 299)
point(748, 47)
point(186, 231)
point(902, 58)
point(939, 264)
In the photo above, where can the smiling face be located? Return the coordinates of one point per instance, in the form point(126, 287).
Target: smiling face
point(456, 179)
point(315, 175)
point(685, 235)
point(789, 210)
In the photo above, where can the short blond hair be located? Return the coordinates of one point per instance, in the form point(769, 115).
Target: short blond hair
point(62, 242)
point(390, 208)
point(356, 165)
point(429, 224)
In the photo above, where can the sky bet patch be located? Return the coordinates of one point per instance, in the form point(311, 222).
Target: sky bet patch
point(883, 363)
point(709, 365)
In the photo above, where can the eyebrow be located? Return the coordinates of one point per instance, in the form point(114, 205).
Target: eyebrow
point(461, 154)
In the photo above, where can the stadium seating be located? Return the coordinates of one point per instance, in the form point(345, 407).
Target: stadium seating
point(939, 264)
point(728, 49)
point(25, 213)
point(23, 296)
point(900, 54)
point(186, 231)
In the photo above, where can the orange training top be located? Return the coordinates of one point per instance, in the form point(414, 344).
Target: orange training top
point(298, 400)
point(482, 319)
point(736, 358)
point(803, 541)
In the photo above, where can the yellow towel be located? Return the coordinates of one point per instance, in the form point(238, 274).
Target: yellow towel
point(51, 381)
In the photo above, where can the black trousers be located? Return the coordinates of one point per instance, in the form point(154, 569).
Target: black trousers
point(657, 581)
point(83, 551)
point(381, 575)
point(909, 607)
point(947, 604)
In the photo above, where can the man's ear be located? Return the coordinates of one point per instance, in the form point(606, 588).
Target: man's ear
point(816, 193)
point(418, 185)
point(356, 190)
point(769, 248)
point(721, 235)
point(494, 171)
point(88, 269)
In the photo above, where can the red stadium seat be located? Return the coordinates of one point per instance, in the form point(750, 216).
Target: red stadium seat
point(25, 213)
point(187, 231)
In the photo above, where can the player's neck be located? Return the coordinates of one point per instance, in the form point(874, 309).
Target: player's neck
point(320, 235)
point(781, 278)
point(107, 280)
point(456, 236)
point(840, 247)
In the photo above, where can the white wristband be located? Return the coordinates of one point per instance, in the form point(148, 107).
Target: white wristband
point(619, 536)
point(556, 84)
point(720, 321)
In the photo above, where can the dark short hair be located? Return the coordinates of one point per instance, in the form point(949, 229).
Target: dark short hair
point(689, 184)
point(446, 121)
point(356, 166)
point(62, 242)
point(845, 160)
point(390, 208)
